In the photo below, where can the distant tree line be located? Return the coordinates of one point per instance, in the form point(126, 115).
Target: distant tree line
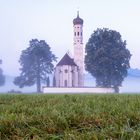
point(2, 77)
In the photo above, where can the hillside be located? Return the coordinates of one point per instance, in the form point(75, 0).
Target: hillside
point(134, 72)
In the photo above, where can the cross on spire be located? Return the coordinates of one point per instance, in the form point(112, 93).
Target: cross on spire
point(78, 13)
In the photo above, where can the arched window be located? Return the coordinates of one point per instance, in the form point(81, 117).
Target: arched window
point(66, 71)
point(72, 83)
point(81, 33)
point(59, 83)
point(78, 33)
point(66, 84)
point(75, 33)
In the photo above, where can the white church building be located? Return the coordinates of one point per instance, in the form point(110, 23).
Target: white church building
point(69, 71)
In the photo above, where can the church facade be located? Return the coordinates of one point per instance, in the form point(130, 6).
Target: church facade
point(69, 71)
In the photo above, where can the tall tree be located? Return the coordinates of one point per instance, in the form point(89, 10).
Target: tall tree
point(2, 77)
point(107, 58)
point(36, 61)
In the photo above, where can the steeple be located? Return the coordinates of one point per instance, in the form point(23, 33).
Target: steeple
point(78, 47)
point(78, 14)
point(78, 20)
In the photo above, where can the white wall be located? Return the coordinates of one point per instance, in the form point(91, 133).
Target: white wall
point(69, 76)
point(77, 90)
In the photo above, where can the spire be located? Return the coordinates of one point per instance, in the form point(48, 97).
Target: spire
point(78, 13)
point(78, 20)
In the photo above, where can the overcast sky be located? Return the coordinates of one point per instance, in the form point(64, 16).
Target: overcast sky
point(51, 20)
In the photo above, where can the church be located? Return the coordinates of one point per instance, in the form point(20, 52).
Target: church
point(69, 72)
point(68, 75)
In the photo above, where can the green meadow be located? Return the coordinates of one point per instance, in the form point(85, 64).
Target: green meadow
point(69, 117)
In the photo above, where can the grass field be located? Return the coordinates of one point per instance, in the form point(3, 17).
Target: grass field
point(70, 117)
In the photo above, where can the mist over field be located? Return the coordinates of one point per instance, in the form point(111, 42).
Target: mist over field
point(131, 84)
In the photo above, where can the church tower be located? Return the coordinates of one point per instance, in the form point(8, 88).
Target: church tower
point(69, 71)
point(78, 48)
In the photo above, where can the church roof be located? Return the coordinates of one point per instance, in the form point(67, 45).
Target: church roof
point(77, 20)
point(66, 60)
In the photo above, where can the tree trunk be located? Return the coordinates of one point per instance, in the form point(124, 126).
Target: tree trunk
point(38, 84)
point(38, 78)
point(116, 88)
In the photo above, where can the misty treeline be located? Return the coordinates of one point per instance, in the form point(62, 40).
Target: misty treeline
point(107, 59)
point(2, 77)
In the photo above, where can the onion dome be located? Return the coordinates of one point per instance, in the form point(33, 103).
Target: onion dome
point(78, 20)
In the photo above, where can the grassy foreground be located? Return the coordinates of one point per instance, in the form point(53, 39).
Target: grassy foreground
point(70, 117)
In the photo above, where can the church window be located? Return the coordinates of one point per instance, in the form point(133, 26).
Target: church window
point(66, 84)
point(78, 33)
point(66, 71)
point(72, 83)
point(59, 83)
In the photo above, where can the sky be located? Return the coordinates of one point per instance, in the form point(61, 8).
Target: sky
point(51, 20)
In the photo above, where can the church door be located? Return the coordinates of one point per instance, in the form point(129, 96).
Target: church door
point(66, 84)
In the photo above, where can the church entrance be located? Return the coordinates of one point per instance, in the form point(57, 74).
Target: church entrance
point(66, 83)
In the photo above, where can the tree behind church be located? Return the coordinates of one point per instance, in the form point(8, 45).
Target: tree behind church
point(36, 61)
point(107, 58)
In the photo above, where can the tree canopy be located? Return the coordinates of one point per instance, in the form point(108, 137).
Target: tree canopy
point(107, 58)
point(36, 62)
